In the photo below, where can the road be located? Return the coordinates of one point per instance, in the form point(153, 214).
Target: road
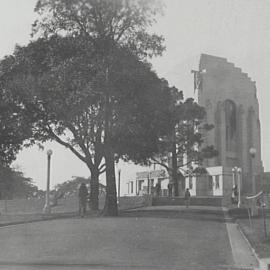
point(145, 239)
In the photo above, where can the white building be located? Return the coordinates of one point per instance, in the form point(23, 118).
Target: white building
point(146, 182)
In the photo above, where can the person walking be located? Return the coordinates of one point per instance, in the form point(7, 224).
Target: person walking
point(187, 198)
point(158, 189)
point(234, 197)
point(83, 193)
point(170, 189)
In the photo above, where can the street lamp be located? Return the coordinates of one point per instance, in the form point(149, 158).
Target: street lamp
point(233, 172)
point(47, 207)
point(239, 171)
point(119, 177)
point(252, 152)
point(237, 182)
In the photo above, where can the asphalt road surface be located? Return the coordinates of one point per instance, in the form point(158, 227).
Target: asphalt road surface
point(153, 239)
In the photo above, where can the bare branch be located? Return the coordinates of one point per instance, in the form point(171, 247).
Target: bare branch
point(67, 145)
point(102, 166)
point(103, 171)
point(160, 163)
point(79, 141)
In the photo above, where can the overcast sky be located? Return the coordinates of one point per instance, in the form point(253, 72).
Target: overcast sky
point(238, 30)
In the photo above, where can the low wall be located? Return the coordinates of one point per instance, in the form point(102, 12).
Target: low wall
point(204, 201)
point(21, 206)
point(129, 202)
point(68, 204)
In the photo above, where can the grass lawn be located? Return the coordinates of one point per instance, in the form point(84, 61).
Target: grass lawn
point(256, 234)
point(23, 210)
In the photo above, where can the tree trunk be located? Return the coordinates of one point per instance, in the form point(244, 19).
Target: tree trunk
point(181, 180)
point(174, 167)
point(110, 208)
point(94, 190)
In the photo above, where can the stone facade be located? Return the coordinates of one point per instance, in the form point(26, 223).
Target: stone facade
point(217, 182)
point(230, 99)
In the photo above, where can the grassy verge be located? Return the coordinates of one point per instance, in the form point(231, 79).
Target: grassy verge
point(255, 233)
point(20, 211)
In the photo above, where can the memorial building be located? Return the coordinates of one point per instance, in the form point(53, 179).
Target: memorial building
point(229, 97)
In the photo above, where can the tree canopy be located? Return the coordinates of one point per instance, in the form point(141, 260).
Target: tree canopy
point(183, 149)
point(110, 26)
point(124, 23)
point(60, 83)
point(15, 127)
point(13, 184)
point(85, 82)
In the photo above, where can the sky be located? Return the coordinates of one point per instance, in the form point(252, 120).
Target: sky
point(238, 30)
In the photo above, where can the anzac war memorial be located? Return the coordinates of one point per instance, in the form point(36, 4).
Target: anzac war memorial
point(229, 97)
point(133, 135)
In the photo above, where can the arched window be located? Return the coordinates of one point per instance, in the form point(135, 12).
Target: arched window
point(230, 118)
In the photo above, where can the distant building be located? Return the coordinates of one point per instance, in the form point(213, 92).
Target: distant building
point(230, 99)
point(146, 183)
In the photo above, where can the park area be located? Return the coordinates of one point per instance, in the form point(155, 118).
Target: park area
point(24, 210)
point(155, 238)
point(19, 211)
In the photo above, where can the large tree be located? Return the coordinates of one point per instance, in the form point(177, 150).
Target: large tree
point(53, 79)
point(60, 82)
point(15, 132)
point(108, 25)
point(13, 184)
point(15, 128)
point(183, 149)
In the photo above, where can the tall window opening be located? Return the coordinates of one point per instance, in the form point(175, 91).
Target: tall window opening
point(231, 127)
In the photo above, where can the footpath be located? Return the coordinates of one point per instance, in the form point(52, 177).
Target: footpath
point(243, 254)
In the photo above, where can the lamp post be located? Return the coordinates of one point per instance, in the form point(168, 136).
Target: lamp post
point(237, 182)
point(47, 207)
point(252, 152)
point(148, 183)
point(233, 174)
point(239, 171)
point(119, 177)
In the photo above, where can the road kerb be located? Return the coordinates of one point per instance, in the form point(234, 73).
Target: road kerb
point(243, 255)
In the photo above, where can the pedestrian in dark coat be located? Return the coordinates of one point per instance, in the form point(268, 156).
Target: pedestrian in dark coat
point(158, 189)
point(170, 186)
point(187, 198)
point(83, 193)
point(234, 197)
